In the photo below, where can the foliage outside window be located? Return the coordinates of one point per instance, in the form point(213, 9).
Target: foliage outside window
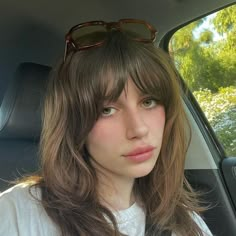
point(205, 55)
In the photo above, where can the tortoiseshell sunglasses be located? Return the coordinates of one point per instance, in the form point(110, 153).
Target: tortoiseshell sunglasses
point(94, 33)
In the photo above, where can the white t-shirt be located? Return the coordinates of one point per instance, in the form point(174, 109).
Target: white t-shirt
point(22, 215)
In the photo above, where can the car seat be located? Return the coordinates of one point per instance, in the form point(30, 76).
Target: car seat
point(20, 123)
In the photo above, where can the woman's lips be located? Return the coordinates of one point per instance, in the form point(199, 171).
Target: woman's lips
point(140, 154)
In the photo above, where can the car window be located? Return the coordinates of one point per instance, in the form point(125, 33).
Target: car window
point(204, 52)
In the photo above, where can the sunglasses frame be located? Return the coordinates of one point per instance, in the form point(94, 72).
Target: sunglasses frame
point(108, 26)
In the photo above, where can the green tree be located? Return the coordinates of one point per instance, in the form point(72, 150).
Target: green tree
point(203, 62)
point(224, 23)
point(208, 67)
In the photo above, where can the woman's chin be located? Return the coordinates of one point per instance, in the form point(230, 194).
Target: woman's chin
point(142, 171)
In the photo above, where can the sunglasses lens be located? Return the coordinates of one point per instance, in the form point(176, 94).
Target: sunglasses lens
point(137, 30)
point(89, 35)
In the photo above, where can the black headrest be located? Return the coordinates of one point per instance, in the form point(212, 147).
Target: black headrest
point(20, 111)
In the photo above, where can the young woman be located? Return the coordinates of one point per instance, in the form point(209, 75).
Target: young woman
point(113, 143)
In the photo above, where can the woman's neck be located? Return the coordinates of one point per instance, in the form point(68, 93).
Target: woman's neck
point(116, 193)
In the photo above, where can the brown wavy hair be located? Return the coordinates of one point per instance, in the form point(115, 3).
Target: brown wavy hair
point(76, 91)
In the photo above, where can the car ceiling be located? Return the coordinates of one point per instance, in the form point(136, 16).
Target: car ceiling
point(33, 31)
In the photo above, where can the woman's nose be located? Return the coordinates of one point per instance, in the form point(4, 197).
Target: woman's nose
point(136, 126)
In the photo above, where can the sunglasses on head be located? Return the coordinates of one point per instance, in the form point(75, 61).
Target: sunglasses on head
point(94, 33)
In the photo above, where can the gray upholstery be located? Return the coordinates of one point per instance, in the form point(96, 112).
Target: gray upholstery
point(20, 122)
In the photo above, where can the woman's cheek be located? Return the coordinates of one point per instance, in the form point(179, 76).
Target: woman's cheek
point(105, 128)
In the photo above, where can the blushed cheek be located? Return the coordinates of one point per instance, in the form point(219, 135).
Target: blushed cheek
point(102, 134)
point(99, 132)
point(96, 133)
point(157, 120)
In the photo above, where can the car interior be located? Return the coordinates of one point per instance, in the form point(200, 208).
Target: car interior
point(32, 42)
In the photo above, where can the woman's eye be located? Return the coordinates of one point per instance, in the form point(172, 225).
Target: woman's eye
point(149, 103)
point(108, 111)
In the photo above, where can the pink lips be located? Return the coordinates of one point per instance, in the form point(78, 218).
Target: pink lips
point(140, 154)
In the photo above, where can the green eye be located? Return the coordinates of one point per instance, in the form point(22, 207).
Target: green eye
point(108, 111)
point(149, 103)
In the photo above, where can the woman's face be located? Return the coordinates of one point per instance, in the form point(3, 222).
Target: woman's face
point(126, 140)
